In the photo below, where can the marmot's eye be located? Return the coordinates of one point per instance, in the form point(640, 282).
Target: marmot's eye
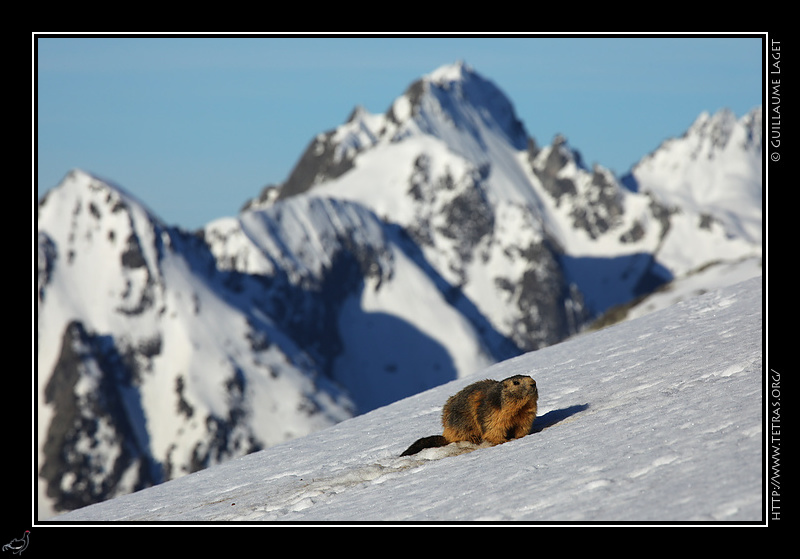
point(516, 382)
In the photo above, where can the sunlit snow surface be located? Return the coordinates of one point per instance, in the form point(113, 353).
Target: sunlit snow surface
point(655, 419)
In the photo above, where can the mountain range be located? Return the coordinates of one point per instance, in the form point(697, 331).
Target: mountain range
point(404, 250)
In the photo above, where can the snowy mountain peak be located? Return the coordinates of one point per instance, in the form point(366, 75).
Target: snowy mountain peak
point(93, 221)
point(716, 128)
point(713, 170)
point(453, 104)
point(455, 96)
point(90, 195)
point(448, 73)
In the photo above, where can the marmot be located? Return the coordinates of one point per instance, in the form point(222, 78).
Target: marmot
point(489, 411)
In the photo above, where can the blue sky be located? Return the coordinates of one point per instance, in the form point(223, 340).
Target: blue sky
point(194, 127)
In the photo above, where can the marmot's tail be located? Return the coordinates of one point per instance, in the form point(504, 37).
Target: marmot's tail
point(425, 442)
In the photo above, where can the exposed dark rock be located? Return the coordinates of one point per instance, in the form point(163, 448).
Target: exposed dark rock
point(599, 208)
point(319, 161)
point(132, 256)
point(85, 422)
point(558, 157)
point(634, 234)
point(469, 217)
point(46, 255)
point(229, 436)
point(542, 295)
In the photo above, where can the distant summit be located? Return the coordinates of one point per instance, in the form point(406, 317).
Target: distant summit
point(714, 170)
point(469, 101)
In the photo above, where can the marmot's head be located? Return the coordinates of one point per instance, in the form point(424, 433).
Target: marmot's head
point(519, 387)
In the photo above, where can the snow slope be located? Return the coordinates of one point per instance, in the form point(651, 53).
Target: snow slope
point(655, 419)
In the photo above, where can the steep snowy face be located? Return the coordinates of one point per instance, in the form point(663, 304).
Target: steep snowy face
point(301, 238)
point(150, 362)
point(93, 235)
point(462, 108)
point(713, 170)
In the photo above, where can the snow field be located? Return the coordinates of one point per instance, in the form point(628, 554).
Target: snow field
point(655, 419)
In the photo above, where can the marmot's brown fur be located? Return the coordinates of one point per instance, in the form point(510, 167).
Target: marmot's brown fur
point(489, 411)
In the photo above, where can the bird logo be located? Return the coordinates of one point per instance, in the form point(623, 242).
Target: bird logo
point(17, 546)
